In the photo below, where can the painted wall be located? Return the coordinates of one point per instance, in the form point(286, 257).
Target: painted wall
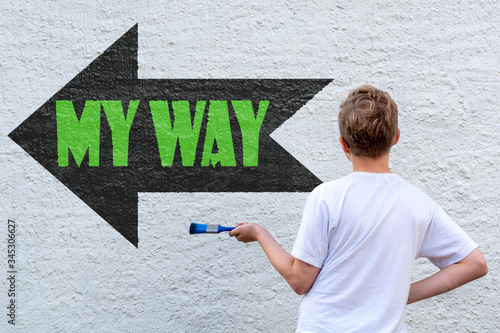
point(76, 273)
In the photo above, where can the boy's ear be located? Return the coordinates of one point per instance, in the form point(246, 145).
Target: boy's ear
point(345, 146)
point(398, 134)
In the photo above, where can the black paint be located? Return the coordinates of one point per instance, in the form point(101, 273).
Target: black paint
point(112, 191)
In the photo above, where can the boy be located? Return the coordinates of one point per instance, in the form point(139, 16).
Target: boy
point(360, 235)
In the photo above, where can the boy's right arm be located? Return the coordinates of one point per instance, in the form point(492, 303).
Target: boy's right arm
point(299, 275)
point(453, 276)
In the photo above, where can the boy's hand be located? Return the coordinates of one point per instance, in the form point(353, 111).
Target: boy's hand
point(247, 232)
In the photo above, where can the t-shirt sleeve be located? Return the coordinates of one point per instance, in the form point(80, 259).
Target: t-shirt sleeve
point(311, 245)
point(445, 243)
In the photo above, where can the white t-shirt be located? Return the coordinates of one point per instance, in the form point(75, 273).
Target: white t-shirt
point(365, 231)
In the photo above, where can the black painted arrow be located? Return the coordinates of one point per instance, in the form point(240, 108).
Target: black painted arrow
point(112, 191)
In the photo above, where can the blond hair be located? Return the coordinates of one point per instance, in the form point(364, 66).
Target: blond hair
point(368, 121)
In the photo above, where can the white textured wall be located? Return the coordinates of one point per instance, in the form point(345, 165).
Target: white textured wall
point(439, 60)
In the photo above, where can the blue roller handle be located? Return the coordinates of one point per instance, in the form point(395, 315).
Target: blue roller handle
point(197, 228)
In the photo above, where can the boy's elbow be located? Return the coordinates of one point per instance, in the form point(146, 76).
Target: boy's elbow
point(478, 265)
point(482, 268)
point(301, 287)
point(302, 277)
point(300, 290)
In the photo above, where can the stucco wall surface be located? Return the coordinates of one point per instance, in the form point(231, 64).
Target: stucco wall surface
point(439, 60)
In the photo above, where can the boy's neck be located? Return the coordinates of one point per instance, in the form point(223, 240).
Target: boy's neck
point(368, 164)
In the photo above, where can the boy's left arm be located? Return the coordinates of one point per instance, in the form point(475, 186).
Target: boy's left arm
point(299, 274)
point(453, 276)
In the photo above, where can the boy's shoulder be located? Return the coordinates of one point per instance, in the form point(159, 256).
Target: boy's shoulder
point(367, 180)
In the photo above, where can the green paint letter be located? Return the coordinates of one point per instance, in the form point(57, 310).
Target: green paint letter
point(78, 135)
point(218, 132)
point(183, 129)
point(250, 128)
point(120, 128)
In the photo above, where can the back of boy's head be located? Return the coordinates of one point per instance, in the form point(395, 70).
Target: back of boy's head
point(368, 121)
